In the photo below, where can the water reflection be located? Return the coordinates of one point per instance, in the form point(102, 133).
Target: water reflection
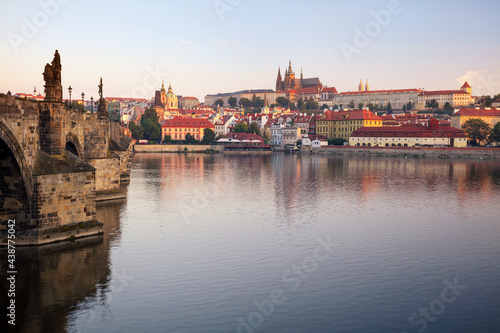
point(203, 236)
point(52, 280)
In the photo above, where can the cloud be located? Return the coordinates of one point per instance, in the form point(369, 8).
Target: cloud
point(482, 82)
point(183, 42)
point(226, 43)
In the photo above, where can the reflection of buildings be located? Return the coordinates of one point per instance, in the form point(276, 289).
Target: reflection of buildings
point(53, 279)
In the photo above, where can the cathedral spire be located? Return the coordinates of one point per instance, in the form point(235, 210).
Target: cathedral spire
point(279, 81)
point(367, 87)
point(361, 87)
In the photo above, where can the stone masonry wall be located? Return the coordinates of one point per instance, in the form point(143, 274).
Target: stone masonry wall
point(20, 117)
point(107, 175)
point(65, 198)
point(96, 136)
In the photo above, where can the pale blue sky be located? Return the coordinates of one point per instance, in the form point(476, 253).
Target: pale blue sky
point(135, 44)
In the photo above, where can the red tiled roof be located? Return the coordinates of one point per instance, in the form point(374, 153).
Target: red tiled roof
point(330, 89)
point(466, 85)
point(379, 91)
point(188, 123)
point(478, 112)
point(443, 92)
point(351, 115)
point(409, 131)
point(245, 136)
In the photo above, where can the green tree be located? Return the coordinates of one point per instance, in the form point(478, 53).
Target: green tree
point(245, 102)
point(404, 108)
point(232, 101)
point(409, 106)
point(323, 107)
point(495, 133)
point(360, 106)
point(351, 105)
point(254, 129)
point(190, 138)
point(151, 126)
point(476, 129)
point(266, 135)
point(208, 135)
point(257, 102)
point(432, 104)
point(150, 113)
point(219, 102)
point(293, 106)
point(312, 104)
point(389, 108)
point(167, 139)
point(335, 107)
point(136, 130)
point(300, 103)
point(336, 142)
point(282, 101)
point(448, 108)
point(240, 128)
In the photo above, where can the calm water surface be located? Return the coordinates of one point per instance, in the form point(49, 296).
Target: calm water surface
point(279, 243)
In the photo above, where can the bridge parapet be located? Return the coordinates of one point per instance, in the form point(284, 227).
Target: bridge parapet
point(54, 163)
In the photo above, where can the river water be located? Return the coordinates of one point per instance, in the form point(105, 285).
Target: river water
point(278, 243)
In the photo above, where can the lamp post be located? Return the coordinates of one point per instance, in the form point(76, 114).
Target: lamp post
point(92, 104)
point(70, 90)
point(83, 101)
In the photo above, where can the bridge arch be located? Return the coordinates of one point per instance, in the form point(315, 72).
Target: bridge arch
point(73, 145)
point(16, 181)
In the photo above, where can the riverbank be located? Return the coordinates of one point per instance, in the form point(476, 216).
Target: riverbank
point(341, 150)
point(176, 148)
point(409, 152)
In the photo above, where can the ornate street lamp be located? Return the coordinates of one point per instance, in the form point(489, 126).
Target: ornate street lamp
point(83, 101)
point(92, 104)
point(70, 90)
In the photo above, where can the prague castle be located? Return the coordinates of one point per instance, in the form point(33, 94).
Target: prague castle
point(291, 83)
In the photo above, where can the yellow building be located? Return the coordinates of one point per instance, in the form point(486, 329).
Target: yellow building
point(455, 98)
point(341, 124)
point(432, 135)
point(491, 116)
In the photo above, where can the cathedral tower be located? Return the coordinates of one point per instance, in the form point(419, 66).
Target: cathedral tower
point(279, 81)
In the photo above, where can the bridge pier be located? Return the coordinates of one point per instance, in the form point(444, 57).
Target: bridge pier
point(55, 163)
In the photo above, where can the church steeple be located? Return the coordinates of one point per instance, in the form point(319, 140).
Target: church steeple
point(361, 87)
point(170, 88)
point(367, 87)
point(162, 85)
point(279, 81)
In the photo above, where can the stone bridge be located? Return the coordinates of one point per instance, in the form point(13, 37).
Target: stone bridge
point(55, 162)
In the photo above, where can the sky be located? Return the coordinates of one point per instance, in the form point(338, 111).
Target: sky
point(210, 46)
